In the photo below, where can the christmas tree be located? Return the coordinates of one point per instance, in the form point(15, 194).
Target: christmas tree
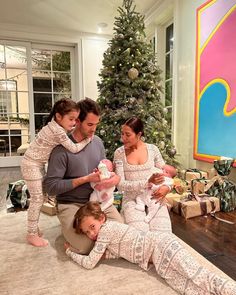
point(130, 85)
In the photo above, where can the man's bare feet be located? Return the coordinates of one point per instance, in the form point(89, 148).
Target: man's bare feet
point(36, 240)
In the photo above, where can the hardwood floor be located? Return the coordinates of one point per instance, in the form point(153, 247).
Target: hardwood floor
point(213, 239)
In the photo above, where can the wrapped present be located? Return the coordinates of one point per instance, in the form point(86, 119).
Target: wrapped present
point(170, 197)
point(49, 206)
point(49, 209)
point(221, 187)
point(192, 173)
point(193, 205)
point(117, 200)
point(198, 185)
point(179, 186)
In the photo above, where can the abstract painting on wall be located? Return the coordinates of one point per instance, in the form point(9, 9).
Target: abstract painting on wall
point(215, 93)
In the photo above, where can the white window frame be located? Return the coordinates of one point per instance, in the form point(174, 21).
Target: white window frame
point(172, 78)
point(13, 161)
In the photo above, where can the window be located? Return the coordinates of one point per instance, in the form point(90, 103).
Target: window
point(32, 79)
point(169, 71)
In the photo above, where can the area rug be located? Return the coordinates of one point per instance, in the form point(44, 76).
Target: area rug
point(27, 270)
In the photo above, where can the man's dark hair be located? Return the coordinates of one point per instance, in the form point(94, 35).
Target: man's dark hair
point(86, 106)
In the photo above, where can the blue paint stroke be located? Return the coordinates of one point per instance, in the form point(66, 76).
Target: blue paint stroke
point(216, 135)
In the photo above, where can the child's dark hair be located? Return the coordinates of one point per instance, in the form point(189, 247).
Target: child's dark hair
point(89, 209)
point(62, 107)
point(86, 106)
point(135, 124)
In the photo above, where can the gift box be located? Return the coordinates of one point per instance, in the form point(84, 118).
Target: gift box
point(190, 174)
point(198, 185)
point(191, 207)
point(179, 186)
point(221, 186)
point(170, 197)
point(49, 207)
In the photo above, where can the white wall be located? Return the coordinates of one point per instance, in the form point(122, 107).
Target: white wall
point(92, 50)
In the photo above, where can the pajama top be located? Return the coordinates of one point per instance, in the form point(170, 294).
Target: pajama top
point(171, 260)
point(49, 137)
point(134, 177)
point(120, 240)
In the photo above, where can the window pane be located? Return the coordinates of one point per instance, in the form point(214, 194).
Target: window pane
point(168, 93)
point(41, 59)
point(169, 117)
point(23, 102)
point(16, 57)
point(62, 82)
point(62, 95)
point(169, 66)
point(42, 102)
point(43, 84)
point(10, 137)
point(40, 121)
point(2, 57)
point(19, 77)
point(2, 73)
point(168, 74)
point(169, 38)
point(60, 61)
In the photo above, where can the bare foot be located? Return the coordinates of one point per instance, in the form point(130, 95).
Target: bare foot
point(36, 240)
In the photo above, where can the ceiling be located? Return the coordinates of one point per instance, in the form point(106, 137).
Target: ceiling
point(66, 15)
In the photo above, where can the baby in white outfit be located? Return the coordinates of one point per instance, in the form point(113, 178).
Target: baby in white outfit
point(105, 197)
point(146, 199)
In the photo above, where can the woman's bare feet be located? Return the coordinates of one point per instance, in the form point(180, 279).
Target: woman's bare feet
point(36, 240)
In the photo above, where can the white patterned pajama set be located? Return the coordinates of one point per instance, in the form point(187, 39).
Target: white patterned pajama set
point(171, 260)
point(33, 165)
point(132, 184)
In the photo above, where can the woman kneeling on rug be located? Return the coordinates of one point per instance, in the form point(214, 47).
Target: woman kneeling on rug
point(171, 260)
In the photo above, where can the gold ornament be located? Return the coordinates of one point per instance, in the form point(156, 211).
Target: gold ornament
point(133, 73)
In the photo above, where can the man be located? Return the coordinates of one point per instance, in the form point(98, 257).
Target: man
point(69, 175)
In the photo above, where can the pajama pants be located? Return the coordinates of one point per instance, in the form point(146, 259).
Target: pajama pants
point(183, 273)
point(33, 174)
point(159, 223)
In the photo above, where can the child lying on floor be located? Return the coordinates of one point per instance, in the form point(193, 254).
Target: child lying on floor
point(171, 260)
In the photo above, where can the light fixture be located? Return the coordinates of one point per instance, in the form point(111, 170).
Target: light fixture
point(101, 26)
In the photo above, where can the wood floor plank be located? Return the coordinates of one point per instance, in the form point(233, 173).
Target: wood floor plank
point(213, 239)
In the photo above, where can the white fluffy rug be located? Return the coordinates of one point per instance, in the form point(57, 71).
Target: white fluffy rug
point(48, 271)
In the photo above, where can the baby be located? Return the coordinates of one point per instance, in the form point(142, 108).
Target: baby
point(105, 197)
point(146, 198)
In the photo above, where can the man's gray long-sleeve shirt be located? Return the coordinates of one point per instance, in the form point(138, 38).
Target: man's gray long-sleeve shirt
point(64, 166)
